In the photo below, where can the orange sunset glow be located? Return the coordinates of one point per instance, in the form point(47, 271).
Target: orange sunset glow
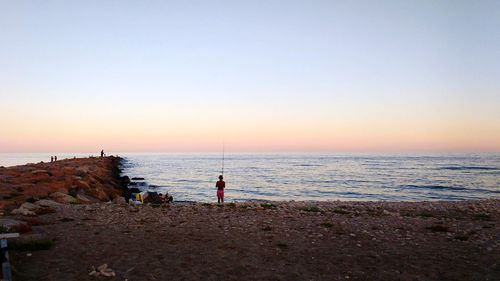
point(380, 80)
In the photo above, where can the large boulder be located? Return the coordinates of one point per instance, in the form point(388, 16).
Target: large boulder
point(69, 170)
point(57, 172)
point(39, 177)
point(30, 207)
point(85, 199)
point(125, 180)
point(23, 212)
point(119, 200)
point(63, 198)
point(102, 195)
point(134, 190)
point(82, 185)
point(82, 171)
point(35, 208)
point(47, 203)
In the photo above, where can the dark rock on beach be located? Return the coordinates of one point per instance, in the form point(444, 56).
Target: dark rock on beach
point(134, 190)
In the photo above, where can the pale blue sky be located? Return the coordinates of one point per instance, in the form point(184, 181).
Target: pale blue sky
point(319, 64)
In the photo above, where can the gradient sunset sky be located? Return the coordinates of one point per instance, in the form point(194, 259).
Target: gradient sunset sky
point(169, 76)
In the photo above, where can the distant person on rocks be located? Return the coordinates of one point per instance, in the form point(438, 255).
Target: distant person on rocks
point(55, 158)
point(102, 153)
point(220, 189)
point(51, 158)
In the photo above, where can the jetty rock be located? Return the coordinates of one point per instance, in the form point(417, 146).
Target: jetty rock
point(68, 181)
point(47, 203)
point(23, 212)
point(119, 200)
point(63, 198)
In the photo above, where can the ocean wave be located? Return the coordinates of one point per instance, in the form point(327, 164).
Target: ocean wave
point(189, 181)
point(434, 187)
point(292, 177)
point(138, 184)
point(449, 188)
point(461, 168)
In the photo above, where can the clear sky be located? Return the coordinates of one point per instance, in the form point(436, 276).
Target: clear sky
point(369, 76)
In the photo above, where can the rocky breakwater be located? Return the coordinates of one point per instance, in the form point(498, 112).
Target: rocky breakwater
point(70, 181)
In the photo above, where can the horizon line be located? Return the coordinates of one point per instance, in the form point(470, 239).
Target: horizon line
point(111, 153)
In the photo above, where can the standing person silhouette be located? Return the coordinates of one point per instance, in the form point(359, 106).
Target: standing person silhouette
point(220, 184)
point(102, 153)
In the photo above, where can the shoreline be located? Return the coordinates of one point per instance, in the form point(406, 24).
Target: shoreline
point(257, 240)
point(77, 177)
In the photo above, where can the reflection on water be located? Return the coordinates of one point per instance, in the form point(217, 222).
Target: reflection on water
point(192, 177)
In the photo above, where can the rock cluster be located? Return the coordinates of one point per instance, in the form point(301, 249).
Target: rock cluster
point(70, 181)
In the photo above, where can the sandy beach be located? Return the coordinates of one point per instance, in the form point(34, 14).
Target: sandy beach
point(255, 240)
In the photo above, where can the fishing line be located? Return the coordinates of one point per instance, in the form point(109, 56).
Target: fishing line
point(222, 171)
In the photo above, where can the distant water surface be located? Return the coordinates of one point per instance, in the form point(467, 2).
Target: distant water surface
point(322, 177)
point(192, 177)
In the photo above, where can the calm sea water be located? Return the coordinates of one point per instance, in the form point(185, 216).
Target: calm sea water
point(192, 177)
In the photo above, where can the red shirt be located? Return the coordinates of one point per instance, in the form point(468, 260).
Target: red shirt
point(220, 185)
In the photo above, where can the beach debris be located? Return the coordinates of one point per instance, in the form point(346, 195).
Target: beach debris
point(102, 267)
point(93, 272)
point(103, 270)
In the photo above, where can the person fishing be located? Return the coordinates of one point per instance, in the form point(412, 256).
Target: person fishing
point(220, 185)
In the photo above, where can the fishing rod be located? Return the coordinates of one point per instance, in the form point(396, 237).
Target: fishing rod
point(222, 171)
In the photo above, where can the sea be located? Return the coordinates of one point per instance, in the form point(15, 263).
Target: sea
point(306, 176)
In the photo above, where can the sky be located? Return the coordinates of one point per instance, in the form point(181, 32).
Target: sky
point(188, 76)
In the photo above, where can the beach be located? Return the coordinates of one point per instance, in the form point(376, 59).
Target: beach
point(333, 240)
point(344, 140)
